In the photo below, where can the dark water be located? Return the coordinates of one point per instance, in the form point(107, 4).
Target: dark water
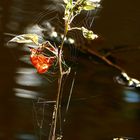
point(100, 108)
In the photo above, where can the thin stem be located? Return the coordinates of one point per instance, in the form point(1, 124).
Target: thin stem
point(57, 108)
point(104, 59)
point(72, 18)
point(65, 33)
point(61, 48)
point(75, 28)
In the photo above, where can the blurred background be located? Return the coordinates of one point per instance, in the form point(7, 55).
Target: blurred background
point(100, 108)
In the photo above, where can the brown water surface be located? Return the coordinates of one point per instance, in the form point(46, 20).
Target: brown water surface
point(100, 108)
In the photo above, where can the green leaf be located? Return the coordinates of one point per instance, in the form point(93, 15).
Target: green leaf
point(70, 1)
point(89, 6)
point(65, 1)
point(69, 5)
point(26, 38)
point(68, 8)
point(88, 34)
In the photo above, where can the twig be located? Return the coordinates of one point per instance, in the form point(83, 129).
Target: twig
point(95, 53)
point(57, 108)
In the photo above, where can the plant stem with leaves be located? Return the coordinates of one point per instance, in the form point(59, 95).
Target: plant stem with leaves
point(57, 108)
point(71, 11)
point(43, 61)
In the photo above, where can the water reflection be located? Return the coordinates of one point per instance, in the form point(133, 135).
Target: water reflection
point(28, 84)
point(23, 93)
point(131, 96)
point(28, 77)
point(25, 136)
point(124, 138)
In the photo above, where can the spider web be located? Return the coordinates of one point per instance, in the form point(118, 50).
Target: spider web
point(45, 24)
point(41, 107)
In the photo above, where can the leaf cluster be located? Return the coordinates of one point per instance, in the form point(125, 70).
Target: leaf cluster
point(73, 8)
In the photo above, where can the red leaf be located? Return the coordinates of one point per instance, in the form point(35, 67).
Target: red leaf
point(40, 62)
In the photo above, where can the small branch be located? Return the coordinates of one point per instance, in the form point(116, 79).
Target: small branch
point(57, 108)
point(75, 28)
point(95, 53)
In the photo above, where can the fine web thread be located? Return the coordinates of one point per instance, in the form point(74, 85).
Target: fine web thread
point(73, 53)
point(40, 120)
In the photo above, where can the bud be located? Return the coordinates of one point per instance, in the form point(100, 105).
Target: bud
point(88, 34)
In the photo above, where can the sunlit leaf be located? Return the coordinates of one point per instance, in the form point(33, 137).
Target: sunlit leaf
point(95, 1)
point(70, 1)
point(69, 5)
point(68, 8)
point(125, 80)
point(88, 34)
point(25, 38)
point(89, 6)
point(65, 1)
